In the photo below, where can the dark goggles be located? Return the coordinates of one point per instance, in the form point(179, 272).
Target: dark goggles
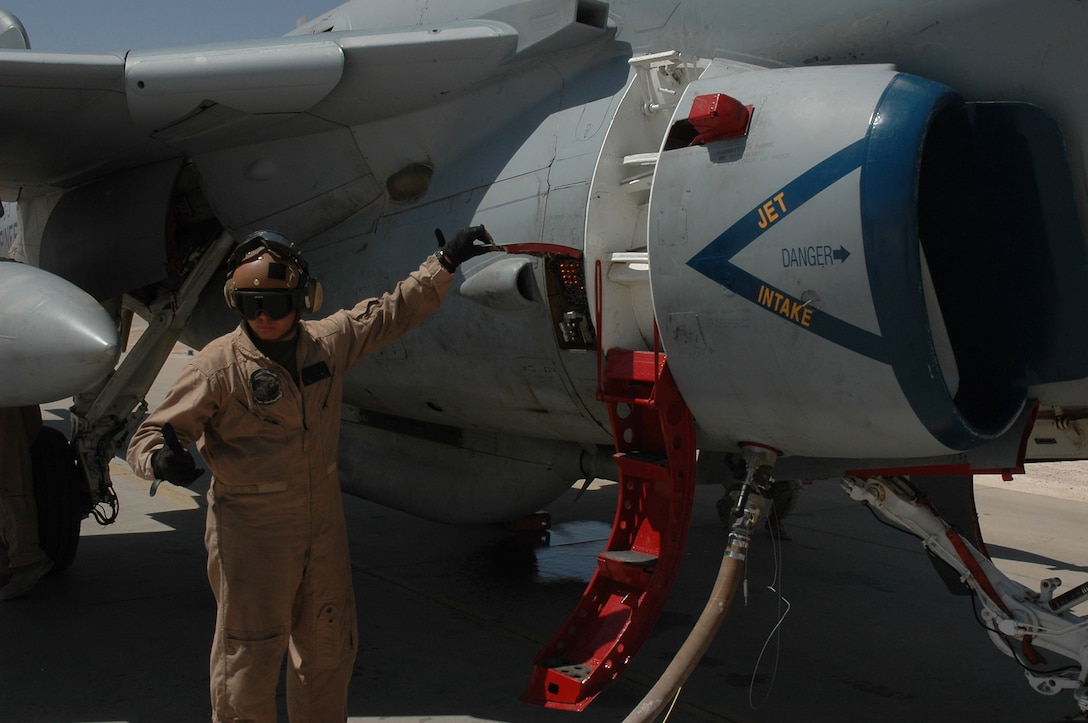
point(274, 304)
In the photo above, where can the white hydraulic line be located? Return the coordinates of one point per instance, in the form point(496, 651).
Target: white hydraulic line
point(1013, 627)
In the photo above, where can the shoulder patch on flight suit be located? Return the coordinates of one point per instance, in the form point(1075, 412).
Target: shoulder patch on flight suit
point(265, 386)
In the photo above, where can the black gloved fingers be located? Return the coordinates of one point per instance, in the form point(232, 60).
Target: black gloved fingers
point(464, 246)
point(170, 437)
point(469, 241)
point(172, 462)
point(468, 235)
point(177, 468)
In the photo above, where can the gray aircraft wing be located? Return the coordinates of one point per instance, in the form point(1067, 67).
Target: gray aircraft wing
point(74, 116)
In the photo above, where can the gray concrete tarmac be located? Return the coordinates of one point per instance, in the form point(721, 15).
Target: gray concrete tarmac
point(451, 618)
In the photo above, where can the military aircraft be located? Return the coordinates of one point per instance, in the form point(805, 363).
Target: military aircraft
point(743, 242)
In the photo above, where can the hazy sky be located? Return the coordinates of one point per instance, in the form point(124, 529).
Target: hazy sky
point(91, 25)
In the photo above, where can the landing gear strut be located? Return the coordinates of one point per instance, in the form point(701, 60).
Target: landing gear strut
point(1020, 621)
point(103, 419)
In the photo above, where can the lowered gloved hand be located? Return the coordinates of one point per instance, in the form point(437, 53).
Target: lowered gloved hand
point(463, 246)
point(172, 462)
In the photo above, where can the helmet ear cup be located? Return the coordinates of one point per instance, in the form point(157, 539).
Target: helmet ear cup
point(314, 295)
point(228, 292)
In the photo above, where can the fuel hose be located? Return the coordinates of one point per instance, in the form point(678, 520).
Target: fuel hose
point(706, 628)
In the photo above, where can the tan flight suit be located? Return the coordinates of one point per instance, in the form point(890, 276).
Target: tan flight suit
point(18, 510)
point(277, 544)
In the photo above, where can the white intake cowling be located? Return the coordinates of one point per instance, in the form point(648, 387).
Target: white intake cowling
point(798, 298)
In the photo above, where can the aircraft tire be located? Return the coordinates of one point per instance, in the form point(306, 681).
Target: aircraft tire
point(59, 491)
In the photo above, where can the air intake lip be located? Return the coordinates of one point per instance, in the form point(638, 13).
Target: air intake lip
point(507, 284)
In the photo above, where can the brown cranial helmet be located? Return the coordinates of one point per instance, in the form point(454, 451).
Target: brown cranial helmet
point(263, 270)
point(265, 273)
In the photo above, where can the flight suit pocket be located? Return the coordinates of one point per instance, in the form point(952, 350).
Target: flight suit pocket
point(252, 637)
point(258, 652)
point(334, 638)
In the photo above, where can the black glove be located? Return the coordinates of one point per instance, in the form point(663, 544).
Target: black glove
point(172, 462)
point(463, 246)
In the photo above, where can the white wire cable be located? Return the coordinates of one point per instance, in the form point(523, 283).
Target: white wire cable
point(775, 587)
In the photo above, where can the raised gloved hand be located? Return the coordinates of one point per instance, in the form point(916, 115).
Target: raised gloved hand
point(463, 246)
point(172, 462)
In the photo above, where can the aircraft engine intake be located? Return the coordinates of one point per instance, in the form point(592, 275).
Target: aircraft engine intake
point(833, 262)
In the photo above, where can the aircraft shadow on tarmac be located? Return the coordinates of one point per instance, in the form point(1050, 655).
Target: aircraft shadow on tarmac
point(1011, 553)
point(451, 618)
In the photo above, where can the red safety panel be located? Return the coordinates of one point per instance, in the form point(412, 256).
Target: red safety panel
point(716, 115)
point(655, 451)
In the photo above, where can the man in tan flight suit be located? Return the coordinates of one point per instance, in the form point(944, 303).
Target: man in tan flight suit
point(263, 403)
